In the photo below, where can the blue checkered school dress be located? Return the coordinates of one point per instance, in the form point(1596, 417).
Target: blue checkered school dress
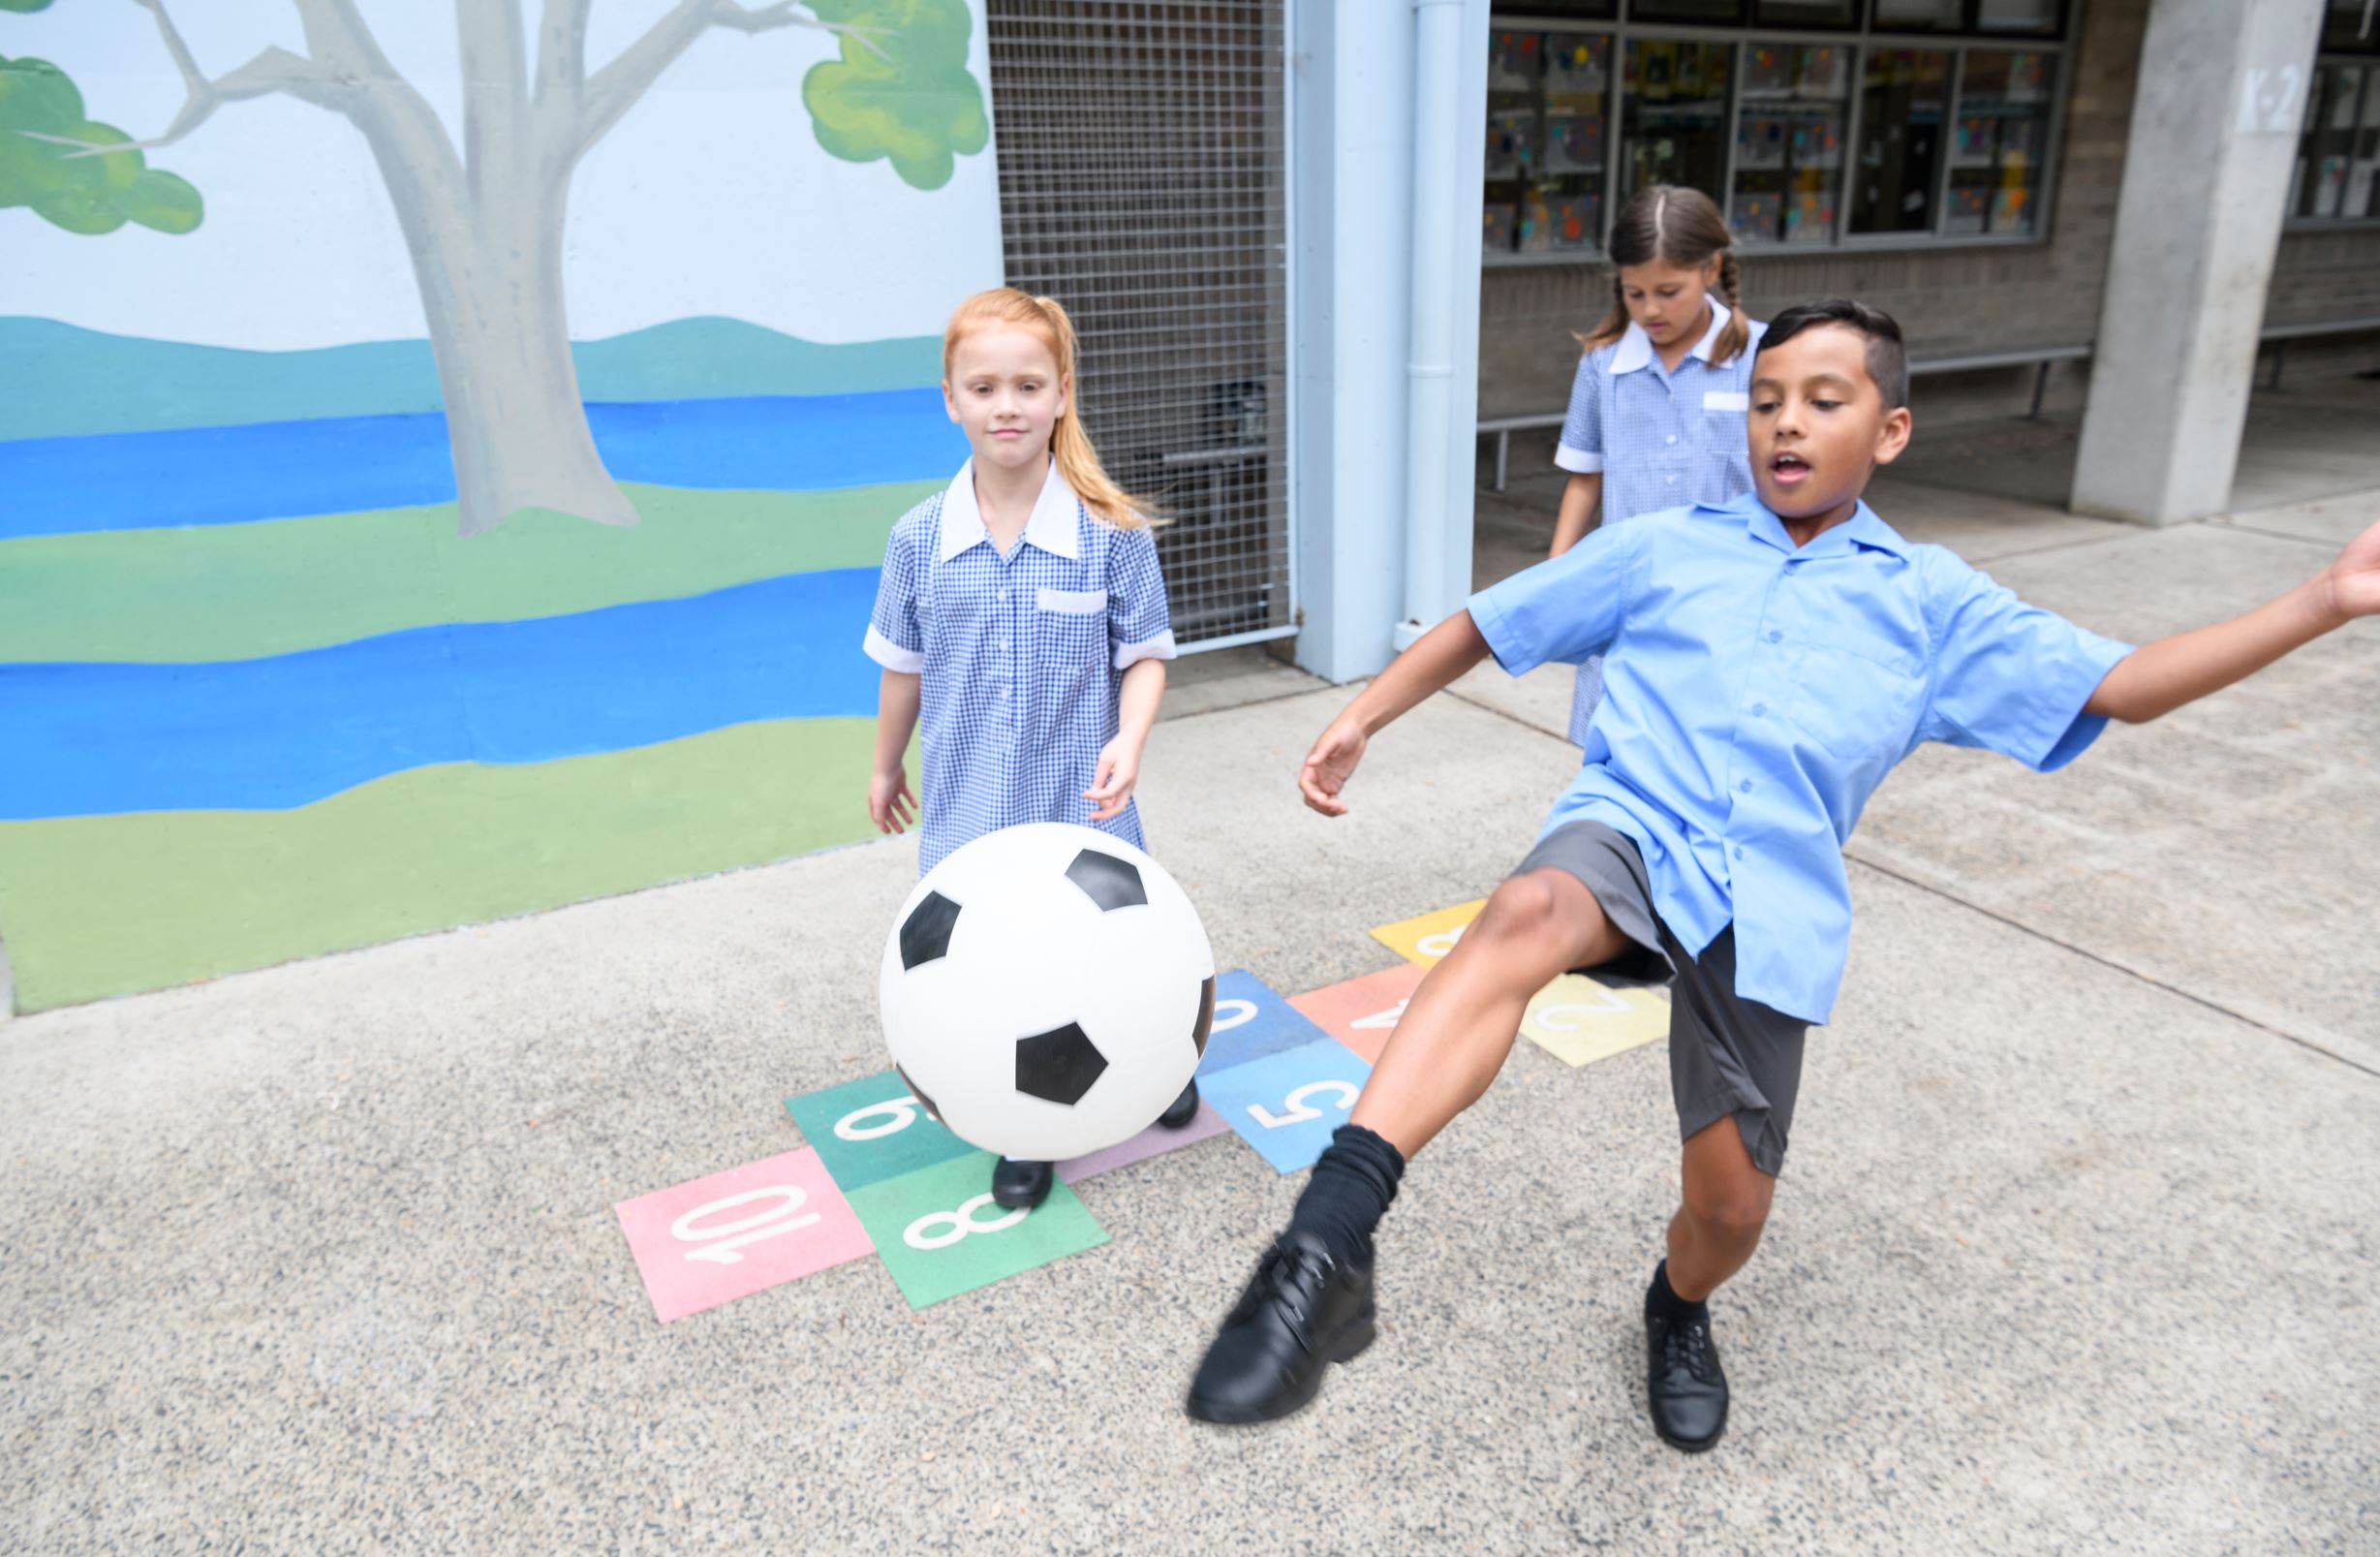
point(1661, 438)
point(1020, 658)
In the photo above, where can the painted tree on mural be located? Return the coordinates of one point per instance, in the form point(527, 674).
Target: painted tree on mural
point(483, 220)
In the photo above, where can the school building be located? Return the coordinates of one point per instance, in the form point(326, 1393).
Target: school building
point(1327, 255)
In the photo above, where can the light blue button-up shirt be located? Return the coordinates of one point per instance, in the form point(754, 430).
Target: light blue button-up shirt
point(1756, 694)
point(1019, 657)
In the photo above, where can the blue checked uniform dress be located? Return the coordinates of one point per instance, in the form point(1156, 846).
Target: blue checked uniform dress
point(1658, 439)
point(1755, 694)
point(1020, 658)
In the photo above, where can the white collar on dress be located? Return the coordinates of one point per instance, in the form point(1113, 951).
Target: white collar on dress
point(1635, 349)
point(1054, 526)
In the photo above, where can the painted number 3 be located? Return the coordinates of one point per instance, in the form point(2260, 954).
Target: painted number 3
point(959, 1224)
point(720, 1243)
point(1299, 1110)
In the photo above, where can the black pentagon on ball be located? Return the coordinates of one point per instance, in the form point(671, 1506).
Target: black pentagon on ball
point(1107, 881)
point(1206, 1017)
point(925, 934)
point(1057, 1065)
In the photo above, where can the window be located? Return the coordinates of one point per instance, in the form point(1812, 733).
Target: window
point(1860, 123)
point(1903, 95)
point(1673, 116)
point(2351, 26)
point(1790, 127)
point(1998, 140)
point(1546, 107)
point(2339, 153)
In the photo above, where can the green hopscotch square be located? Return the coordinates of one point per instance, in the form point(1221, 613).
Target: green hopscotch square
point(878, 1142)
point(927, 1203)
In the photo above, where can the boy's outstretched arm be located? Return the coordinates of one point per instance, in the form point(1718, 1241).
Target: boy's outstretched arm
point(2159, 677)
point(1435, 660)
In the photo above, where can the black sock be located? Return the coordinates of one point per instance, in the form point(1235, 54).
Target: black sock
point(1352, 1185)
point(1661, 1300)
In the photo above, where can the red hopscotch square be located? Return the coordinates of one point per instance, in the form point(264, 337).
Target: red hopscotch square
point(726, 1237)
point(1361, 1013)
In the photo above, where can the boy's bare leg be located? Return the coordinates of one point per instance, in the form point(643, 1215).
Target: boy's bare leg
point(1459, 1024)
point(1309, 1303)
point(1724, 1206)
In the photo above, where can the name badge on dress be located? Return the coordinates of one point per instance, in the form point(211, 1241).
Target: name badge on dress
point(1726, 400)
point(1072, 601)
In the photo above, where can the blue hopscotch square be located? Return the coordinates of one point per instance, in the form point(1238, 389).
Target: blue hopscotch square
point(870, 1129)
point(1250, 1022)
point(1286, 1104)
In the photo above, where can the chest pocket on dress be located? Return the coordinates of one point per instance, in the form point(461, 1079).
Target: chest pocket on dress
point(1071, 632)
point(1860, 703)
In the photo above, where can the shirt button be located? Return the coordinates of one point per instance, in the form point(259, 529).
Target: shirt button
point(1745, 787)
point(1759, 708)
point(1738, 851)
point(1673, 437)
point(1673, 481)
point(1775, 636)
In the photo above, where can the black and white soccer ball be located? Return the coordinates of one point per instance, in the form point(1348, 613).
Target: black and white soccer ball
point(1047, 990)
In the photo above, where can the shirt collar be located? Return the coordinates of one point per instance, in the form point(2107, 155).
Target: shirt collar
point(1054, 526)
point(1635, 349)
point(1864, 528)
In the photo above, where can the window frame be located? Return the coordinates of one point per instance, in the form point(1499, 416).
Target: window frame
point(2333, 59)
point(1859, 41)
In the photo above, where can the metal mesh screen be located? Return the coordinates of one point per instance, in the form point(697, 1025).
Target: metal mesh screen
point(1142, 185)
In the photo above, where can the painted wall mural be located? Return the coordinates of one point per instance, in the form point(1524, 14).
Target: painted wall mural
point(445, 456)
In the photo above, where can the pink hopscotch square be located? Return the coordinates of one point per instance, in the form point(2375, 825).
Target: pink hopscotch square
point(1363, 1012)
point(726, 1237)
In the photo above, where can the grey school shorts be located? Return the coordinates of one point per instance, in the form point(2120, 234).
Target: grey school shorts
point(1727, 1055)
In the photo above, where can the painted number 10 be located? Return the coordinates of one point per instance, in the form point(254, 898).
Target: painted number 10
point(720, 1243)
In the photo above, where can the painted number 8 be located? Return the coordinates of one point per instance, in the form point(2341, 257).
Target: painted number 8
point(733, 1236)
point(903, 1113)
point(961, 1222)
point(1297, 1106)
point(1439, 945)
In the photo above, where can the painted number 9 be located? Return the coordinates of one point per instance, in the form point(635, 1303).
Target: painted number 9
point(900, 1113)
point(961, 1223)
point(1297, 1106)
point(720, 1242)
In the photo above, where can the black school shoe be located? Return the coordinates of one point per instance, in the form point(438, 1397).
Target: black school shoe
point(1684, 1386)
point(1301, 1312)
point(1021, 1186)
point(1183, 1110)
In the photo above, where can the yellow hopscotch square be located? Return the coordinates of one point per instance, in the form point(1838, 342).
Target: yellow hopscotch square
point(1427, 939)
point(1580, 1021)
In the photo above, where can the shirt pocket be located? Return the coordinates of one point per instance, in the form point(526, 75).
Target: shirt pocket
point(1069, 639)
point(1857, 701)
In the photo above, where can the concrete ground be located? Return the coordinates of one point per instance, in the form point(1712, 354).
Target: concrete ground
point(2075, 1248)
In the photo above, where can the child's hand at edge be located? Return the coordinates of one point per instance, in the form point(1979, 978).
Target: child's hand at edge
point(1329, 764)
point(2353, 577)
point(890, 804)
point(1113, 780)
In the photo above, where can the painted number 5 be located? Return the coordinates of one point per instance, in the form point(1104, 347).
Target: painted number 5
point(719, 1243)
point(1298, 1109)
point(961, 1223)
point(899, 1113)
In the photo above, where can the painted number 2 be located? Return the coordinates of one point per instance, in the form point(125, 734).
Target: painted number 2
point(719, 1243)
point(1299, 1110)
point(899, 1113)
point(961, 1223)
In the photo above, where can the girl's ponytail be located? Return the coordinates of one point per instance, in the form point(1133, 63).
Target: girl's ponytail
point(1738, 334)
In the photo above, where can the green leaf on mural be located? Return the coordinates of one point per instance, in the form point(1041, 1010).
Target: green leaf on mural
point(81, 194)
point(902, 91)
